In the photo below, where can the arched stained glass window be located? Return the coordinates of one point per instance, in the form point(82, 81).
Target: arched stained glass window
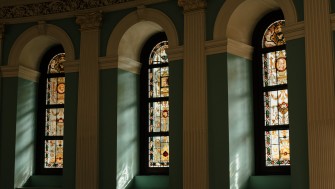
point(51, 113)
point(271, 98)
point(155, 105)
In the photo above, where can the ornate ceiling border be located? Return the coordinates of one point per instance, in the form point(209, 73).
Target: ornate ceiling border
point(64, 8)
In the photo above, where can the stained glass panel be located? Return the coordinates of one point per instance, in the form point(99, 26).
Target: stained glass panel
point(55, 90)
point(158, 54)
point(273, 35)
point(56, 64)
point(158, 82)
point(277, 147)
point(159, 151)
point(53, 154)
point(159, 116)
point(274, 68)
point(54, 122)
point(276, 107)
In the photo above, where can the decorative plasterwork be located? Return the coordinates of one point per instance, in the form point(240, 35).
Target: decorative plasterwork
point(191, 5)
point(54, 7)
point(294, 31)
point(89, 21)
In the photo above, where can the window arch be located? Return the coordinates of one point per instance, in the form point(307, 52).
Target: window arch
point(155, 106)
point(271, 112)
point(51, 99)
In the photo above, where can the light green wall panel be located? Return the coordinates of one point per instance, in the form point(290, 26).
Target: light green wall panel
point(241, 135)
point(127, 165)
point(25, 131)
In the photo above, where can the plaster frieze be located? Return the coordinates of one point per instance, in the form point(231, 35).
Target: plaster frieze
point(54, 7)
point(191, 5)
point(89, 21)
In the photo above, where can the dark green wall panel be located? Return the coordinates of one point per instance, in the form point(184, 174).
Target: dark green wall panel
point(218, 131)
point(296, 69)
point(176, 124)
point(299, 7)
point(213, 8)
point(267, 182)
point(70, 130)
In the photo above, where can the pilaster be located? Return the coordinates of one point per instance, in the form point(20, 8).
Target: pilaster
point(2, 31)
point(87, 154)
point(195, 122)
point(320, 94)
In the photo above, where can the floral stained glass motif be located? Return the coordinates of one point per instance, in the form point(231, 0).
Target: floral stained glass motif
point(159, 116)
point(273, 35)
point(54, 123)
point(274, 68)
point(276, 107)
point(277, 145)
point(53, 154)
point(159, 151)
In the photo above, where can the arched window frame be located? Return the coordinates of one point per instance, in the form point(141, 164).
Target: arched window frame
point(147, 50)
point(259, 100)
point(41, 159)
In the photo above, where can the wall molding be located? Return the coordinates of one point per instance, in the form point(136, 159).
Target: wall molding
point(294, 31)
point(231, 46)
point(123, 63)
point(175, 53)
point(21, 72)
point(58, 9)
point(332, 21)
point(71, 66)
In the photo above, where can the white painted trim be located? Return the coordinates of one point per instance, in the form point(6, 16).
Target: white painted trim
point(295, 31)
point(240, 49)
point(39, 30)
point(21, 72)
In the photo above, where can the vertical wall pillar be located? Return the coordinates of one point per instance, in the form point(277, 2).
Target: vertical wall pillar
point(2, 30)
point(320, 94)
point(87, 154)
point(195, 124)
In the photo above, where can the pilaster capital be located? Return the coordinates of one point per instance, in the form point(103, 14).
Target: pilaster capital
point(191, 5)
point(89, 21)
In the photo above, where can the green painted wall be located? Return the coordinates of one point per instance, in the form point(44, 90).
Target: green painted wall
point(298, 112)
point(25, 131)
point(218, 125)
point(12, 32)
point(241, 135)
point(70, 130)
point(108, 128)
point(213, 8)
point(127, 162)
point(176, 124)
point(8, 131)
point(299, 7)
point(267, 182)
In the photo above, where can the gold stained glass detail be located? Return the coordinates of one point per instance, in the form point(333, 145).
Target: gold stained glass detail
point(273, 35)
point(56, 64)
point(159, 152)
point(54, 123)
point(55, 90)
point(274, 68)
point(276, 107)
point(159, 116)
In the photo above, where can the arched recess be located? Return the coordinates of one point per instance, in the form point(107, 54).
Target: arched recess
point(137, 27)
point(32, 44)
point(237, 18)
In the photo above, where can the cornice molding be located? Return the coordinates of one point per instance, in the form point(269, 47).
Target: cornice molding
point(332, 21)
point(294, 31)
point(231, 46)
point(175, 53)
point(89, 21)
point(71, 66)
point(216, 47)
point(21, 72)
point(192, 5)
point(59, 9)
point(120, 62)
